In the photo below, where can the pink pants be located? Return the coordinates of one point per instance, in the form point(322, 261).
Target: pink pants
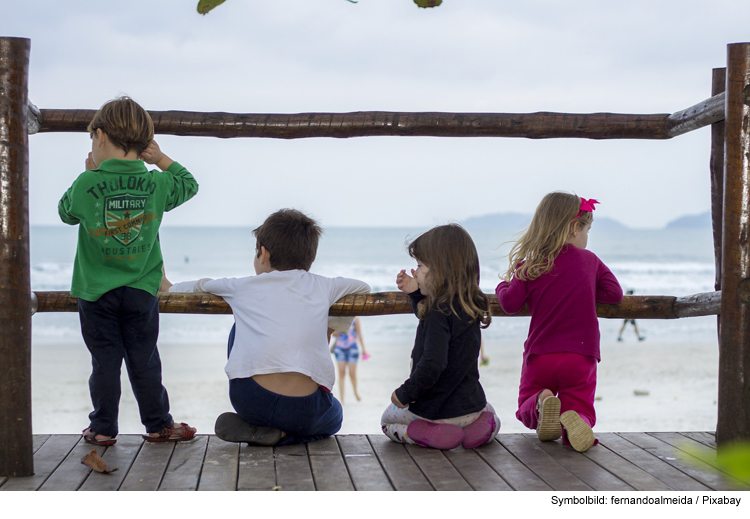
point(570, 376)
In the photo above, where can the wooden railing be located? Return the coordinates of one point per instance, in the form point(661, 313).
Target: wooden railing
point(390, 303)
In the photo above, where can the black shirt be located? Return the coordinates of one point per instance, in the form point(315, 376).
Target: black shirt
point(444, 379)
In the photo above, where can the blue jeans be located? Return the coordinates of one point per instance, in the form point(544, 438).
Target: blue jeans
point(303, 419)
point(123, 324)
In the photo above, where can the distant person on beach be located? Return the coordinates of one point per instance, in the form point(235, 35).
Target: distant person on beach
point(552, 272)
point(442, 404)
point(483, 359)
point(346, 350)
point(118, 205)
point(631, 321)
point(279, 366)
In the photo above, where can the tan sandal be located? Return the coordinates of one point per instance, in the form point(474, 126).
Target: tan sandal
point(175, 433)
point(579, 434)
point(548, 428)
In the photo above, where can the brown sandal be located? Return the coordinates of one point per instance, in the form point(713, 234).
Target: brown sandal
point(89, 436)
point(175, 433)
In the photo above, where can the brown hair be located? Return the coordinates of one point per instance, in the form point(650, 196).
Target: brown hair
point(554, 220)
point(449, 252)
point(126, 124)
point(291, 237)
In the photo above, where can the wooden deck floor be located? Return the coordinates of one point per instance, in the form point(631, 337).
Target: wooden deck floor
point(622, 461)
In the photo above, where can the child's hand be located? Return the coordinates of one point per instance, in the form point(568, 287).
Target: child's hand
point(165, 283)
point(406, 283)
point(90, 164)
point(396, 401)
point(153, 155)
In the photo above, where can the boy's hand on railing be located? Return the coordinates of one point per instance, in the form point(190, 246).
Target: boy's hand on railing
point(165, 283)
point(406, 283)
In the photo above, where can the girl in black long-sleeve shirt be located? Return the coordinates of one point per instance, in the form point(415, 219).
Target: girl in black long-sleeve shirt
point(442, 404)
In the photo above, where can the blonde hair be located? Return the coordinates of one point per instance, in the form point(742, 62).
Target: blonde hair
point(450, 254)
point(554, 220)
point(126, 124)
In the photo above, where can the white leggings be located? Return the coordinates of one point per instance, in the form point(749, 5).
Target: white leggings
point(395, 421)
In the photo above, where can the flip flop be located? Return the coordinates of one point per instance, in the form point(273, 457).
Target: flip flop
point(231, 427)
point(172, 434)
point(89, 436)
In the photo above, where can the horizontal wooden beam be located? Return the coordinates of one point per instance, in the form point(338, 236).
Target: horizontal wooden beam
point(705, 113)
point(390, 303)
point(540, 125)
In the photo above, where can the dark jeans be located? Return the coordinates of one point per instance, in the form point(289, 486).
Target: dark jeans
point(123, 324)
point(303, 419)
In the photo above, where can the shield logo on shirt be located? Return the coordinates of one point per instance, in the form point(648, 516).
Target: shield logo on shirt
point(124, 216)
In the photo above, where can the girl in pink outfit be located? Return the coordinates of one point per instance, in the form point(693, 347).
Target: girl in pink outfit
point(552, 272)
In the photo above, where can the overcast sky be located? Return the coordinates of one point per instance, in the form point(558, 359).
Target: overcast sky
point(290, 56)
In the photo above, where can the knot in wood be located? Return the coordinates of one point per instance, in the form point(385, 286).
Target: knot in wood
point(744, 290)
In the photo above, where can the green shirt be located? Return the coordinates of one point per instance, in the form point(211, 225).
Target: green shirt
point(119, 207)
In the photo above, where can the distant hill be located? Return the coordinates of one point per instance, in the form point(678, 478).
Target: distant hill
point(521, 221)
point(499, 220)
point(693, 221)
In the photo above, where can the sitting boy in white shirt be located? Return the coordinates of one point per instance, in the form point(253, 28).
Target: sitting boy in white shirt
point(280, 370)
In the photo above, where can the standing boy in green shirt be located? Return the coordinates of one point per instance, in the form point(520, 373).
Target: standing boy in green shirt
point(118, 205)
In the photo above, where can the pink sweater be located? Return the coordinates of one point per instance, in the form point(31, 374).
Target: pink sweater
point(563, 303)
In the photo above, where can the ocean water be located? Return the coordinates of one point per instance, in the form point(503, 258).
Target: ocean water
point(655, 262)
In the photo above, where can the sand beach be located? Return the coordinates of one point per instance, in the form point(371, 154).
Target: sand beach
point(643, 386)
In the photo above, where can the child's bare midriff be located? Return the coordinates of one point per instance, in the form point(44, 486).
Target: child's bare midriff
point(287, 384)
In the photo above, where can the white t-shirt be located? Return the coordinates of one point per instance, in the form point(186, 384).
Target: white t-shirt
point(282, 321)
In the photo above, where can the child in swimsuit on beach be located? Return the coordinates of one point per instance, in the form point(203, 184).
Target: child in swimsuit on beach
point(442, 404)
point(552, 272)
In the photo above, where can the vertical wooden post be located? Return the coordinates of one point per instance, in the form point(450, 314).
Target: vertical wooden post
point(16, 455)
point(734, 346)
point(718, 85)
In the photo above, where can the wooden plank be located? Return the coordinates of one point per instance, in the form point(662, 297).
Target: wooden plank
point(328, 467)
point(584, 468)
point(541, 463)
point(362, 464)
point(38, 440)
point(184, 469)
point(71, 473)
point(649, 463)
point(257, 470)
point(706, 438)
point(475, 471)
point(46, 460)
point(401, 469)
point(293, 468)
point(121, 457)
point(698, 471)
point(515, 473)
point(439, 471)
point(148, 468)
point(688, 445)
point(621, 467)
point(221, 466)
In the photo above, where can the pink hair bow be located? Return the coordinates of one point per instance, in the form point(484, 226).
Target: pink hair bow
point(587, 205)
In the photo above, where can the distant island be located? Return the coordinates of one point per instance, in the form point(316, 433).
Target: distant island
point(521, 221)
